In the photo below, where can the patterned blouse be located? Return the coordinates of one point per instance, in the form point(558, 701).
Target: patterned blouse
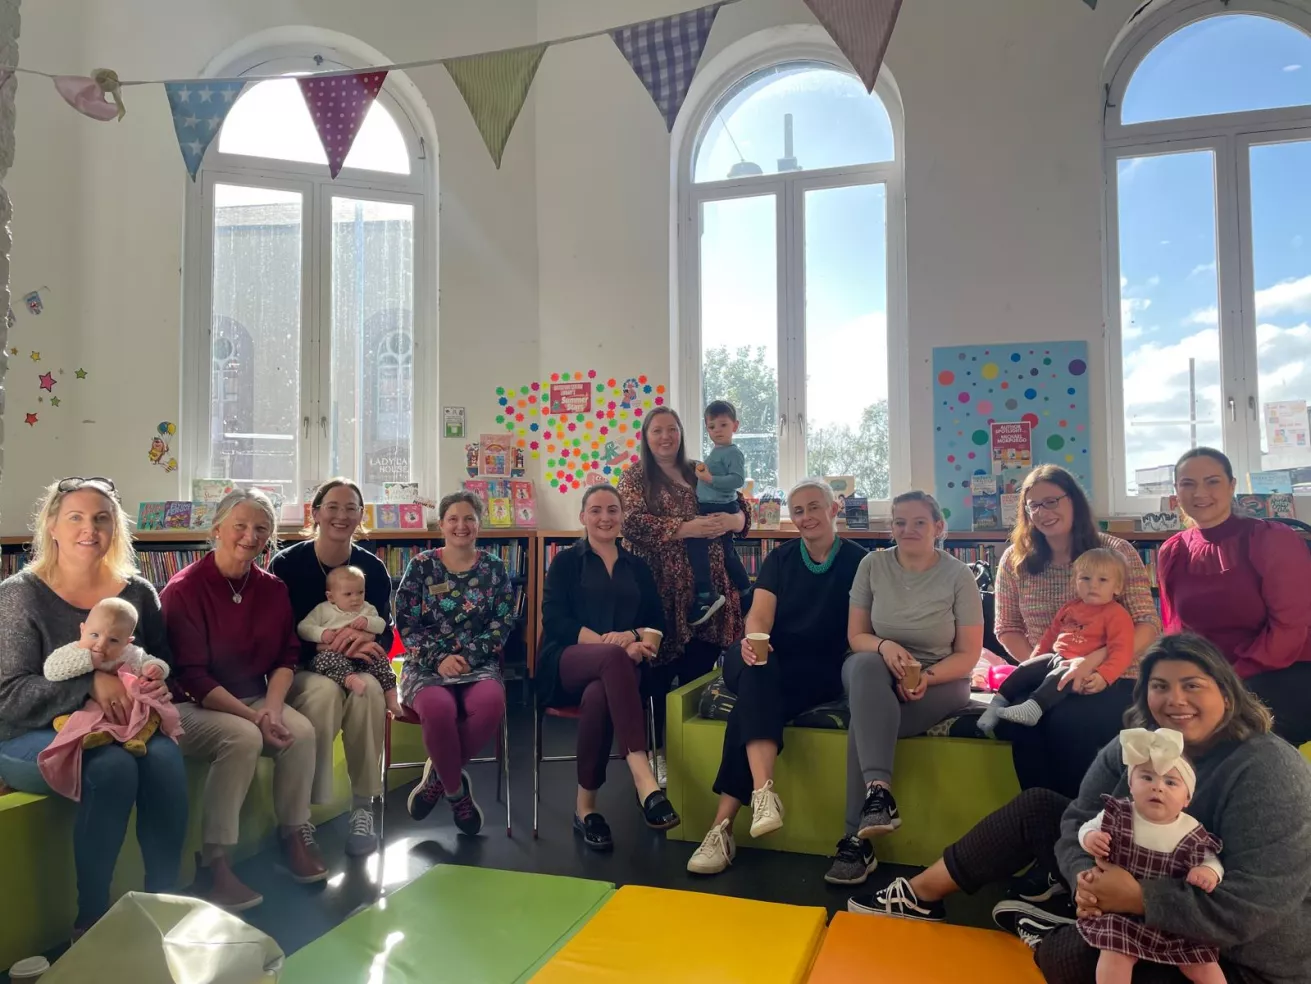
point(440, 612)
point(1028, 603)
point(650, 532)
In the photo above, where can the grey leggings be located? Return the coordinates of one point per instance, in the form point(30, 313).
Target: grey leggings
point(879, 718)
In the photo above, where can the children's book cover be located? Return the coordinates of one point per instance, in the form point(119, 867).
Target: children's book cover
point(400, 493)
point(389, 516)
point(478, 486)
point(1269, 482)
point(202, 514)
point(770, 514)
point(1010, 509)
point(523, 500)
point(986, 502)
point(494, 455)
point(857, 512)
point(210, 489)
point(1252, 505)
point(370, 518)
point(151, 515)
point(177, 516)
point(500, 514)
point(412, 516)
point(1280, 506)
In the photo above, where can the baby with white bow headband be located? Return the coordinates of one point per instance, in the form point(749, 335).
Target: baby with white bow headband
point(1150, 836)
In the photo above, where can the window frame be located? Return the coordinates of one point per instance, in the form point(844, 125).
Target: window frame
point(416, 189)
point(764, 50)
point(1229, 137)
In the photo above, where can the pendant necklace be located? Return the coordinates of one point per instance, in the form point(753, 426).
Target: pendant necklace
point(236, 592)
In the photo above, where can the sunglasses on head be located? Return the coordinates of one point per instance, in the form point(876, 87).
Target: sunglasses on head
point(99, 483)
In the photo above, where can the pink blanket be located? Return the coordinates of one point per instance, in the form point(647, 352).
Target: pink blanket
point(61, 761)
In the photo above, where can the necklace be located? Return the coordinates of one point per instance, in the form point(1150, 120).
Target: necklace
point(236, 592)
point(815, 568)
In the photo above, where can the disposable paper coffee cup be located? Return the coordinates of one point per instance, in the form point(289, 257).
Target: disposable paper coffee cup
point(759, 645)
point(912, 678)
point(28, 970)
point(652, 637)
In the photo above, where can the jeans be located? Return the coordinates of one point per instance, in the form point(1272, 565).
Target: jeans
point(112, 781)
point(698, 553)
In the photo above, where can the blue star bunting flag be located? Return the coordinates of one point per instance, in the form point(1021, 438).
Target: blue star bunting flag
point(199, 109)
point(665, 53)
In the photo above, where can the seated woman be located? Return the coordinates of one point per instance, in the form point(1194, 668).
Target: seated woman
point(1253, 791)
point(230, 622)
point(915, 613)
point(597, 601)
point(454, 611)
point(800, 607)
point(1243, 584)
point(81, 555)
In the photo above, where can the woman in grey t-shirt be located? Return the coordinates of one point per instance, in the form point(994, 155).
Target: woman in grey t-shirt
point(911, 605)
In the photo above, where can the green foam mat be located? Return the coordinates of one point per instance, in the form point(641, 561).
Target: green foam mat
point(453, 923)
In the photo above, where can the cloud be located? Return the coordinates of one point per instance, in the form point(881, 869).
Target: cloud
point(1130, 332)
point(1292, 68)
point(1202, 268)
point(1203, 316)
point(1288, 297)
point(1124, 281)
point(1153, 281)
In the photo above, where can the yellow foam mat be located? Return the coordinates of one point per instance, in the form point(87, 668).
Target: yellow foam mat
point(656, 935)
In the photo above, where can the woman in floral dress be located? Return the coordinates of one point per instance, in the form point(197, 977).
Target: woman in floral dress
point(454, 611)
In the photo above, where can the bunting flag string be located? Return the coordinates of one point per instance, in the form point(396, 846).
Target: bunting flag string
point(861, 29)
point(494, 88)
point(199, 110)
point(338, 106)
point(665, 53)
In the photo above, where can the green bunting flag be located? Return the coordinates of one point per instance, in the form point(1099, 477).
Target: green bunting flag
point(494, 88)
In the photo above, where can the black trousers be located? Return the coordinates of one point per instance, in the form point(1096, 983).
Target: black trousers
point(697, 660)
point(1287, 693)
point(698, 553)
point(1026, 830)
point(768, 697)
point(1036, 679)
point(1056, 752)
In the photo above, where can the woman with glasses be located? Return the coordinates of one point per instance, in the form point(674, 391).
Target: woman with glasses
point(81, 555)
point(336, 512)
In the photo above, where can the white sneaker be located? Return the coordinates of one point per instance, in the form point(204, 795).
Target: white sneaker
point(716, 851)
point(661, 772)
point(766, 810)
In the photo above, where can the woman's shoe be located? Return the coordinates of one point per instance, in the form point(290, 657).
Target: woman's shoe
point(215, 883)
point(594, 831)
point(659, 812)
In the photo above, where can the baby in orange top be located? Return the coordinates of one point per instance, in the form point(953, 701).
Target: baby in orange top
point(1095, 622)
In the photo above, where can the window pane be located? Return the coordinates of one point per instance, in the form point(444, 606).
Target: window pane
point(1169, 323)
point(1229, 63)
point(256, 336)
point(271, 120)
point(847, 335)
point(372, 405)
point(1281, 265)
point(793, 117)
point(739, 325)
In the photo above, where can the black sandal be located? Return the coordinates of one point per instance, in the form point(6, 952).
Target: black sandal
point(594, 831)
point(659, 812)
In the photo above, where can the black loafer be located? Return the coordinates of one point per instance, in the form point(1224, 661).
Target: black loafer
point(594, 831)
point(659, 812)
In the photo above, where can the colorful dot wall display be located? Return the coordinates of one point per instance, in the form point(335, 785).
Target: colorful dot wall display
point(581, 428)
point(976, 386)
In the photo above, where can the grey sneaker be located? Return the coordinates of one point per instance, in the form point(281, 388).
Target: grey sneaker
point(879, 814)
point(852, 863)
point(361, 840)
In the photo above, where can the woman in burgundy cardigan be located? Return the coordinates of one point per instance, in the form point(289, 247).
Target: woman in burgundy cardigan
point(1244, 584)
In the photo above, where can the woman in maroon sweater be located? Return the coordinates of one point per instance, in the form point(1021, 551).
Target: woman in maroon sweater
point(1244, 584)
point(234, 638)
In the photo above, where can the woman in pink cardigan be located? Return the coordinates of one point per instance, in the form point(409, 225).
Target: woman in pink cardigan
point(1244, 584)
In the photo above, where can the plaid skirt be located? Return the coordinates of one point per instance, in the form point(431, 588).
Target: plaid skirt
point(1129, 934)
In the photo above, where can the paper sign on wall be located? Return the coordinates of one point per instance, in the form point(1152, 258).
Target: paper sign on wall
point(1011, 447)
point(571, 398)
point(453, 421)
point(494, 454)
point(1286, 425)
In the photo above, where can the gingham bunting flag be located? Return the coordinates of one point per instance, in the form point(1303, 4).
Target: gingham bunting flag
point(665, 53)
point(199, 109)
point(494, 87)
point(338, 105)
point(861, 28)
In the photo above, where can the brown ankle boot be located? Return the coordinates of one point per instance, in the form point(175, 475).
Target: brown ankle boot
point(216, 884)
point(301, 855)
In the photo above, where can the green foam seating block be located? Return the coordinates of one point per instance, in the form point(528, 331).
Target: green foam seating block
point(453, 923)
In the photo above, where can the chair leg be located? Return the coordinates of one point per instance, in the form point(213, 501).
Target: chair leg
point(505, 770)
point(386, 770)
point(537, 763)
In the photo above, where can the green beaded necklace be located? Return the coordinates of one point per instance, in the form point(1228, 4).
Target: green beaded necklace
point(815, 568)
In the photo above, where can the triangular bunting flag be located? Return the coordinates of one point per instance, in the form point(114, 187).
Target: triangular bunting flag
point(861, 29)
point(494, 88)
point(338, 105)
point(665, 53)
point(199, 109)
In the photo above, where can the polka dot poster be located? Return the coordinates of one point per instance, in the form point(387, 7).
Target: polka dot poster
point(580, 428)
point(1044, 383)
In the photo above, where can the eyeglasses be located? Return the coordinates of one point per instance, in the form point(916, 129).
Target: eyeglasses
point(98, 482)
point(1032, 507)
point(333, 509)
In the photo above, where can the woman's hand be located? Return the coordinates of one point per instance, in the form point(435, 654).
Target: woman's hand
point(1094, 684)
point(621, 639)
point(638, 651)
point(453, 665)
point(108, 691)
point(269, 721)
point(895, 658)
point(356, 642)
point(1115, 890)
point(701, 528)
point(729, 522)
point(907, 696)
point(1085, 899)
point(749, 654)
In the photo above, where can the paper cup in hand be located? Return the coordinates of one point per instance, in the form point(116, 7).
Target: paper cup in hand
point(652, 637)
point(759, 642)
point(911, 680)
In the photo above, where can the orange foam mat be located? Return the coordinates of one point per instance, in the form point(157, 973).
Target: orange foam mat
point(656, 935)
point(886, 950)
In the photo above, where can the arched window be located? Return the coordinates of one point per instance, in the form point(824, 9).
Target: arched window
point(791, 265)
point(314, 272)
point(1208, 136)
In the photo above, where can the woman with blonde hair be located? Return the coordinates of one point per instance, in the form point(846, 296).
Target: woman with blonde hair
point(230, 622)
point(81, 555)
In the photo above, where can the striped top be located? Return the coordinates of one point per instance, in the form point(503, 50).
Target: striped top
point(1028, 603)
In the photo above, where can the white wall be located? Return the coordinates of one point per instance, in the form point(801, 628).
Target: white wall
point(562, 257)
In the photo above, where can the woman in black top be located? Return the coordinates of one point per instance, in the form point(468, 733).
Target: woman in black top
point(597, 599)
point(800, 605)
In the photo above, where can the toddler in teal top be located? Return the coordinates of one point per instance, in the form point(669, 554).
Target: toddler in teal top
point(719, 479)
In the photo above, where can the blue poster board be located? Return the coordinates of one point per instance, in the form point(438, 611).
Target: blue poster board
point(974, 386)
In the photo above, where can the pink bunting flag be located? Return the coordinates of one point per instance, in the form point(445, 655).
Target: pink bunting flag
point(338, 105)
point(861, 28)
point(87, 96)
